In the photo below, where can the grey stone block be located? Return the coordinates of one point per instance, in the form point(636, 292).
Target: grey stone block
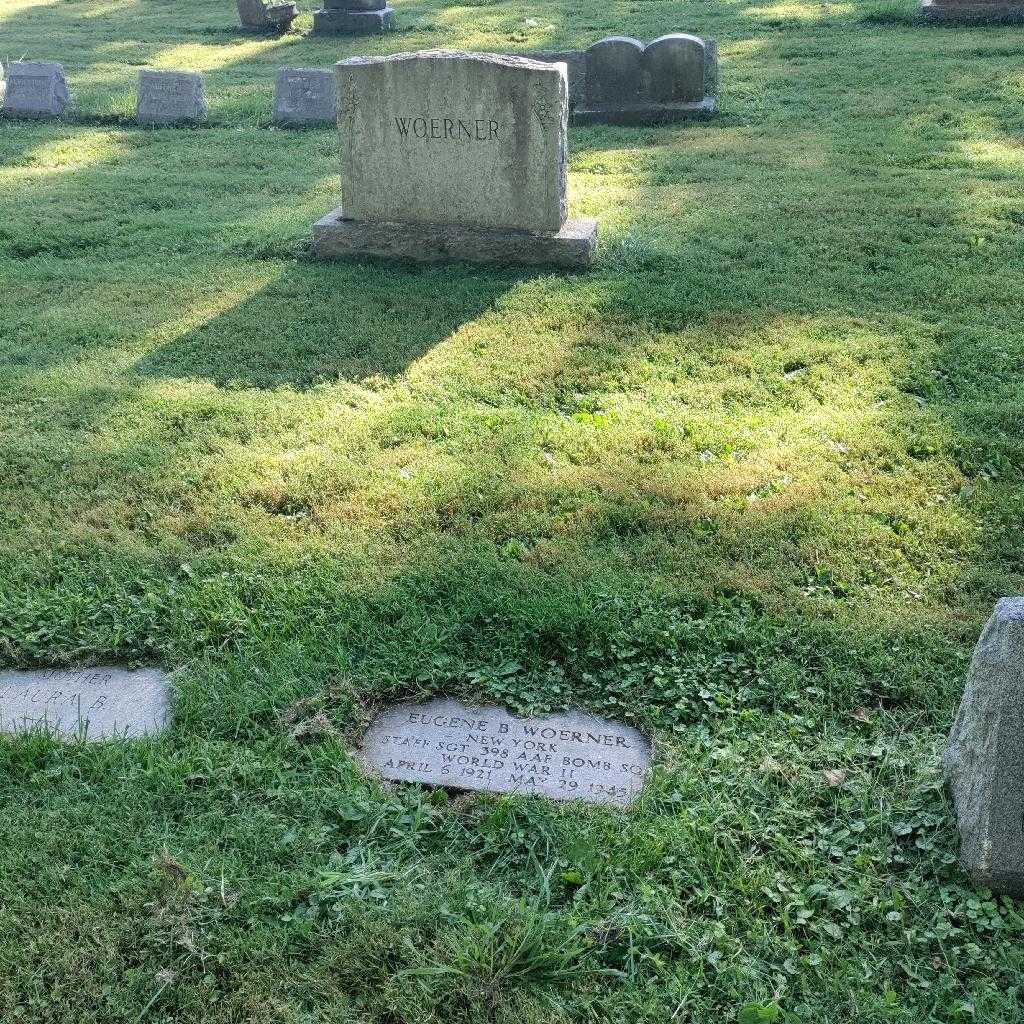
point(257, 16)
point(35, 89)
point(305, 96)
point(570, 756)
point(170, 97)
point(91, 703)
point(984, 758)
point(570, 248)
point(975, 11)
point(332, 22)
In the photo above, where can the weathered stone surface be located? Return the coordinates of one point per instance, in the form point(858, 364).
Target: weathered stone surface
point(443, 137)
point(305, 96)
point(258, 16)
point(571, 247)
point(35, 88)
point(974, 10)
point(984, 759)
point(169, 97)
point(575, 62)
point(615, 72)
point(90, 703)
point(571, 756)
point(338, 22)
point(675, 69)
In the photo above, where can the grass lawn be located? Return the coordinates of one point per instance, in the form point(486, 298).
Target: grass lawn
point(752, 484)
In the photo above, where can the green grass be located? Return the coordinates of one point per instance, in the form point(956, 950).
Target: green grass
point(753, 483)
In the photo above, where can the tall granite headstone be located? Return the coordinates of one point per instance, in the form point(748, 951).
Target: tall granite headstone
point(35, 89)
point(170, 97)
point(450, 155)
point(984, 759)
point(305, 96)
point(353, 18)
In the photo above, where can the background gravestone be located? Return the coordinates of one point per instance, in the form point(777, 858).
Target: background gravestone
point(90, 703)
point(35, 89)
point(571, 756)
point(615, 69)
point(984, 759)
point(454, 155)
point(672, 78)
point(257, 16)
point(305, 96)
point(170, 97)
point(353, 18)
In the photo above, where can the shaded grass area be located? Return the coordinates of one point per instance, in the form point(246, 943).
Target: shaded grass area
point(753, 484)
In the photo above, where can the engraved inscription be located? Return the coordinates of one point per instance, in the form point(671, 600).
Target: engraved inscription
point(84, 703)
point(565, 757)
point(30, 88)
point(454, 128)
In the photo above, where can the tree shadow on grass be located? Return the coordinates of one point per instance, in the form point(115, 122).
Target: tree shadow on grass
point(320, 322)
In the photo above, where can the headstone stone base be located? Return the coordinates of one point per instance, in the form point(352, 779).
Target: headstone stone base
point(572, 247)
point(331, 22)
point(644, 113)
point(980, 10)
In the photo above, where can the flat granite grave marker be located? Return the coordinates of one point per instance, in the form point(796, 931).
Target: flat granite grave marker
point(353, 18)
point(89, 703)
point(35, 88)
point(984, 758)
point(973, 10)
point(450, 155)
point(571, 756)
point(169, 97)
point(305, 96)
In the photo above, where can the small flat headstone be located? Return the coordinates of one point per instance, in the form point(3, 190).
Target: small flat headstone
point(353, 18)
point(570, 756)
point(170, 97)
point(90, 703)
point(984, 758)
point(35, 88)
point(305, 96)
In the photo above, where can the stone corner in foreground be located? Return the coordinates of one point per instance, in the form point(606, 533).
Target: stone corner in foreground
point(984, 757)
point(570, 248)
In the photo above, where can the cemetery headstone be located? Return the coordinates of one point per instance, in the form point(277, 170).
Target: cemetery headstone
point(450, 155)
point(572, 756)
point(258, 16)
point(305, 96)
point(972, 10)
point(984, 758)
point(353, 18)
point(90, 703)
point(35, 88)
point(618, 80)
point(170, 97)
